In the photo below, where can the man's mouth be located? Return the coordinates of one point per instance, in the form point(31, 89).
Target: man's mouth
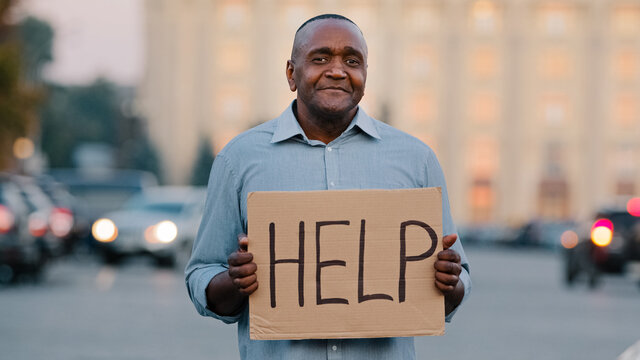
point(334, 88)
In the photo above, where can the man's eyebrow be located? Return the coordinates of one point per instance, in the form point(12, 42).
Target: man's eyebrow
point(353, 51)
point(349, 50)
point(321, 50)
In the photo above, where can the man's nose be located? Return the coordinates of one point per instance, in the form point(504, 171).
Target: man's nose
point(336, 70)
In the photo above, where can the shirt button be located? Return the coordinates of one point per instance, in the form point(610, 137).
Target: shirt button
point(334, 348)
point(332, 184)
point(329, 149)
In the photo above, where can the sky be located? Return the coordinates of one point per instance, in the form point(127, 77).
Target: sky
point(93, 38)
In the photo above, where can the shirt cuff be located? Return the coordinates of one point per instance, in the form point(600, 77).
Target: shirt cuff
point(466, 281)
point(198, 291)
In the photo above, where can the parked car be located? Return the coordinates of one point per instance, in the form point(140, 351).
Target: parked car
point(486, 234)
point(20, 251)
point(161, 222)
point(543, 233)
point(100, 191)
point(611, 244)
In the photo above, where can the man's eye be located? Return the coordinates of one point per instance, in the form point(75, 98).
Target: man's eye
point(353, 62)
point(320, 60)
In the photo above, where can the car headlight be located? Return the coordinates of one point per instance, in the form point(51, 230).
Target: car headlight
point(104, 230)
point(163, 232)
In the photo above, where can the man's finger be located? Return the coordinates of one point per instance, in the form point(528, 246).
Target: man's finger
point(239, 258)
point(445, 288)
point(244, 282)
point(448, 267)
point(449, 255)
point(243, 242)
point(242, 271)
point(249, 290)
point(446, 279)
point(448, 241)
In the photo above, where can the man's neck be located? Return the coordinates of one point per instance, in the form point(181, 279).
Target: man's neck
point(322, 128)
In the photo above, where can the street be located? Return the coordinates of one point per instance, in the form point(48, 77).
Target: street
point(519, 309)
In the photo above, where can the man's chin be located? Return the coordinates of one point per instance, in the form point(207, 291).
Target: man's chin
point(335, 110)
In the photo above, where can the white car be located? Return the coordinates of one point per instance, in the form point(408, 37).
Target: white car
point(160, 221)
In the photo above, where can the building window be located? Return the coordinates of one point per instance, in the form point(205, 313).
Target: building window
point(555, 64)
point(625, 187)
point(232, 106)
point(233, 58)
point(484, 108)
point(485, 17)
point(484, 63)
point(626, 65)
point(554, 109)
point(553, 199)
point(482, 200)
point(625, 20)
point(556, 20)
point(554, 160)
point(420, 61)
point(625, 161)
point(422, 107)
point(483, 156)
point(625, 109)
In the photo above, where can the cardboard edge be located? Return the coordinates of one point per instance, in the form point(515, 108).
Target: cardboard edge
point(344, 335)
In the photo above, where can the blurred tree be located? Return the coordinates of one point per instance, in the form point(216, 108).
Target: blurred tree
point(95, 113)
point(136, 150)
point(18, 99)
point(37, 45)
point(202, 165)
point(73, 115)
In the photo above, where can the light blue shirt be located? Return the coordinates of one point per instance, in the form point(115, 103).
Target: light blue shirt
point(278, 156)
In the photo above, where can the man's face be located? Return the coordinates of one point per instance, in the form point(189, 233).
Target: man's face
point(329, 67)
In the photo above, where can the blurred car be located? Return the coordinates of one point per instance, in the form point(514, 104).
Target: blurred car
point(47, 223)
point(98, 191)
point(20, 252)
point(486, 234)
point(161, 222)
point(611, 244)
point(543, 233)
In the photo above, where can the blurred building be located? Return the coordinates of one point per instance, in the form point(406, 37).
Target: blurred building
point(533, 107)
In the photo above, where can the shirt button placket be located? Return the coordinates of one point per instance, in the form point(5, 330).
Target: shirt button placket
point(334, 352)
point(331, 167)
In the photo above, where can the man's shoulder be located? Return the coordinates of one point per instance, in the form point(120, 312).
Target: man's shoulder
point(398, 138)
point(250, 140)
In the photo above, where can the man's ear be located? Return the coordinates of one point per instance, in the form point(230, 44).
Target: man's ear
point(290, 80)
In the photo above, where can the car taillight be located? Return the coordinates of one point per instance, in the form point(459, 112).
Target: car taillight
point(61, 222)
point(37, 225)
point(633, 206)
point(7, 220)
point(602, 232)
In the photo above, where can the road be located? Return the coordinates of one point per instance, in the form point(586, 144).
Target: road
point(519, 309)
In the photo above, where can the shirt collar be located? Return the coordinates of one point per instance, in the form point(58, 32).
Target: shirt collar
point(287, 125)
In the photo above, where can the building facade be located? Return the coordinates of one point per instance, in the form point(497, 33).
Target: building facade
point(533, 107)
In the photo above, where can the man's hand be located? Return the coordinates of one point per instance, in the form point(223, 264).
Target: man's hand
point(448, 270)
point(228, 291)
point(242, 269)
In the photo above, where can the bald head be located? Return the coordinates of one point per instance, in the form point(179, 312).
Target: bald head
point(302, 34)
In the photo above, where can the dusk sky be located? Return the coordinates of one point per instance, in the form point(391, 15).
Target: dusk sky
point(93, 38)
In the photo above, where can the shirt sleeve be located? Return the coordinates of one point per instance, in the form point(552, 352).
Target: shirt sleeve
point(217, 236)
point(435, 177)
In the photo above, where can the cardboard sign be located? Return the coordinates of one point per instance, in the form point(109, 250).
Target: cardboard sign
point(345, 264)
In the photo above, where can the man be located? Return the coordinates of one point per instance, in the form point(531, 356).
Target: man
point(323, 141)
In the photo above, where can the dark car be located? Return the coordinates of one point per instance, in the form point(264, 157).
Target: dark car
point(611, 245)
point(20, 251)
